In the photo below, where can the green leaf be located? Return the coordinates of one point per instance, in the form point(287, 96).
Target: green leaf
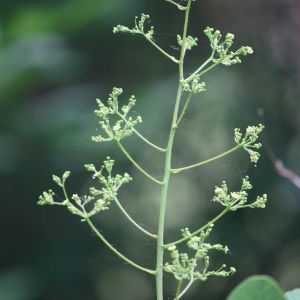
point(257, 287)
point(293, 295)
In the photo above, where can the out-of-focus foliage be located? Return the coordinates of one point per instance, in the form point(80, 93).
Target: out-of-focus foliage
point(57, 57)
point(257, 287)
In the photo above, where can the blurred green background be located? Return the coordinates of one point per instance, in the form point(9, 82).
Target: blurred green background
point(56, 58)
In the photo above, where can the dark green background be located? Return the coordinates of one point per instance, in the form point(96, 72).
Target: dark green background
point(56, 58)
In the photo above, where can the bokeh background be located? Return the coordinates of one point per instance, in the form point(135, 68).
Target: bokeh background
point(56, 58)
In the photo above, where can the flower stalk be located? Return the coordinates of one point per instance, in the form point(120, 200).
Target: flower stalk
point(118, 122)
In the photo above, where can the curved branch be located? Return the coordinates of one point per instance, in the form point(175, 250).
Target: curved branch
point(214, 220)
point(172, 58)
point(132, 221)
point(130, 262)
point(141, 136)
point(137, 165)
point(187, 101)
point(180, 7)
point(148, 142)
point(177, 170)
point(200, 68)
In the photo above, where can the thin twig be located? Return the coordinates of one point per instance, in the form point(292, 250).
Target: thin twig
point(137, 165)
point(141, 136)
point(132, 221)
point(89, 222)
point(177, 170)
point(213, 221)
point(172, 58)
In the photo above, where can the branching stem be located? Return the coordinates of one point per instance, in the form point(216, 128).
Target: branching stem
point(210, 68)
point(200, 68)
point(184, 109)
point(185, 269)
point(168, 169)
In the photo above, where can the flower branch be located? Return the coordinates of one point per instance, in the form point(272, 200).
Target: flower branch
point(148, 34)
point(180, 7)
point(177, 170)
point(246, 141)
point(129, 157)
point(140, 135)
point(119, 254)
point(132, 221)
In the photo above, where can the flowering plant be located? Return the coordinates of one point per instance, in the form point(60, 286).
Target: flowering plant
point(188, 258)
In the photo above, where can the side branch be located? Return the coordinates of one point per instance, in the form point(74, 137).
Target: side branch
point(137, 165)
point(148, 142)
point(132, 221)
point(172, 58)
point(141, 136)
point(184, 109)
point(186, 288)
point(208, 160)
point(214, 220)
point(139, 28)
point(180, 7)
point(202, 67)
point(152, 272)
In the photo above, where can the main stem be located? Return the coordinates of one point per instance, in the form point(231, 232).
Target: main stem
point(163, 202)
point(168, 168)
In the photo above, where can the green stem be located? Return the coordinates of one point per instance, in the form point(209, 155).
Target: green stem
point(141, 136)
point(132, 221)
point(180, 7)
point(200, 68)
point(148, 142)
point(210, 68)
point(184, 109)
point(162, 51)
point(137, 165)
point(191, 278)
point(163, 201)
point(178, 289)
point(177, 170)
point(197, 72)
point(168, 170)
point(101, 237)
point(186, 288)
point(65, 191)
point(214, 220)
